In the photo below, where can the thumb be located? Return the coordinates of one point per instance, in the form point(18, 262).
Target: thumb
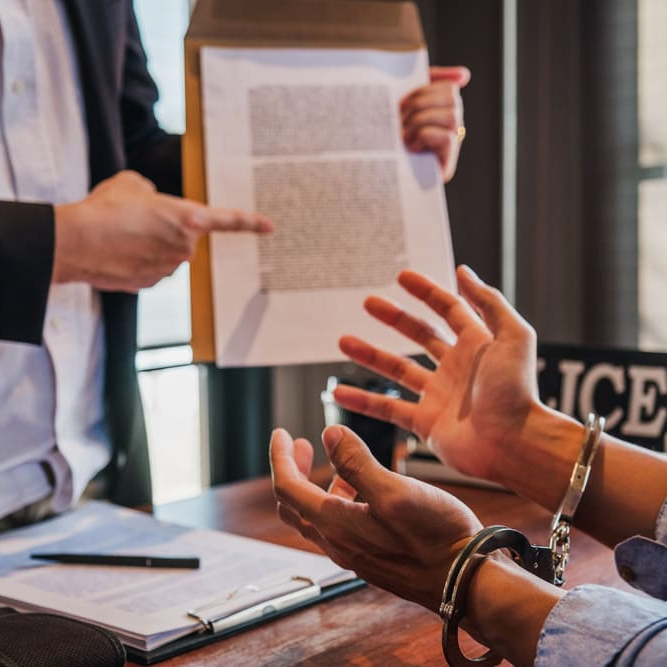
point(459, 75)
point(354, 462)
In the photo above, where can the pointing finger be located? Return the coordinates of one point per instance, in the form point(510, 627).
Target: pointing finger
point(232, 220)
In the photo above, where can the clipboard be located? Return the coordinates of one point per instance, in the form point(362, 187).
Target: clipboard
point(270, 612)
point(159, 613)
point(373, 24)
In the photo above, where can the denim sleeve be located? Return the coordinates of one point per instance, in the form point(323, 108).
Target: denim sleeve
point(595, 625)
point(642, 562)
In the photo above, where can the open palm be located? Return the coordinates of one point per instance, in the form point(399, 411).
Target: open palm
point(484, 383)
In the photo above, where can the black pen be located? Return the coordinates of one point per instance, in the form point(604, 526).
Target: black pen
point(188, 562)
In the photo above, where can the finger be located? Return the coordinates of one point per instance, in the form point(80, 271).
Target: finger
point(453, 309)
point(458, 74)
point(232, 220)
point(303, 456)
point(317, 515)
point(355, 464)
point(289, 484)
point(394, 410)
point(405, 371)
point(203, 219)
point(339, 487)
point(282, 455)
point(447, 148)
point(500, 317)
point(444, 143)
point(417, 330)
point(433, 138)
point(448, 117)
point(441, 141)
point(414, 120)
point(432, 109)
point(439, 94)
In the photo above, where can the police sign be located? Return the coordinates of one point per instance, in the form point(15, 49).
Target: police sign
point(627, 387)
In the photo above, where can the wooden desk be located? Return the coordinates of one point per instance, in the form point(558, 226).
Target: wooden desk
point(368, 627)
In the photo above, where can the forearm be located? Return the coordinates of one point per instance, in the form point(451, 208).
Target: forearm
point(507, 608)
point(626, 488)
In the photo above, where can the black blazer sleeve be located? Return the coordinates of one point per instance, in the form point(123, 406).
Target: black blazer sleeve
point(26, 264)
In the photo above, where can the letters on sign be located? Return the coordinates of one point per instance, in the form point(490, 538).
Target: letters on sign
point(628, 387)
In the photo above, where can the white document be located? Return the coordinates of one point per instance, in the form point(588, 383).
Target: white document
point(312, 138)
point(147, 607)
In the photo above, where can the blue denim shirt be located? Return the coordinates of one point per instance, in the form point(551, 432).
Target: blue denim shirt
point(596, 625)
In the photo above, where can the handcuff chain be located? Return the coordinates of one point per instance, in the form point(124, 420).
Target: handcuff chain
point(559, 543)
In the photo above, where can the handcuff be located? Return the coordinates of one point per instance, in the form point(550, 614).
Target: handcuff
point(546, 562)
point(535, 559)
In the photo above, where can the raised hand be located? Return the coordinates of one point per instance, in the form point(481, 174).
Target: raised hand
point(403, 535)
point(433, 117)
point(473, 406)
point(125, 235)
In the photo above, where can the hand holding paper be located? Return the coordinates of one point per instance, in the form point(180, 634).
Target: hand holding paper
point(433, 117)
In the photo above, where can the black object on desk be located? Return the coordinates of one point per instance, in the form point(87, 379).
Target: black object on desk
point(186, 562)
point(39, 640)
point(380, 436)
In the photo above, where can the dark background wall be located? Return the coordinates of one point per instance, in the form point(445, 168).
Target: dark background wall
point(469, 32)
point(576, 158)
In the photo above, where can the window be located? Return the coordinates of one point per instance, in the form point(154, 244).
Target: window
point(652, 108)
point(168, 380)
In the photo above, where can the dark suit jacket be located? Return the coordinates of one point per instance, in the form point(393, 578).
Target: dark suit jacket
point(119, 96)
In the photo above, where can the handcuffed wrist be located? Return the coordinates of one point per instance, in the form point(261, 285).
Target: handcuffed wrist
point(559, 542)
point(535, 559)
point(543, 450)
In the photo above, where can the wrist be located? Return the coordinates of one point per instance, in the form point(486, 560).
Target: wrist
point(538, 463)
point(68, 251)
point(507, 608)
point(500, 605)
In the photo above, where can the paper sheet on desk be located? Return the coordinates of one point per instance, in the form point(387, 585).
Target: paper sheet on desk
point(312, 138)
point(147, 607)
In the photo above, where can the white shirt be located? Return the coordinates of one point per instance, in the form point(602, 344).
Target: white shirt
point(51, 405)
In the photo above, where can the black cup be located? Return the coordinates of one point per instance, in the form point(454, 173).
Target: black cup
point(380, 436)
